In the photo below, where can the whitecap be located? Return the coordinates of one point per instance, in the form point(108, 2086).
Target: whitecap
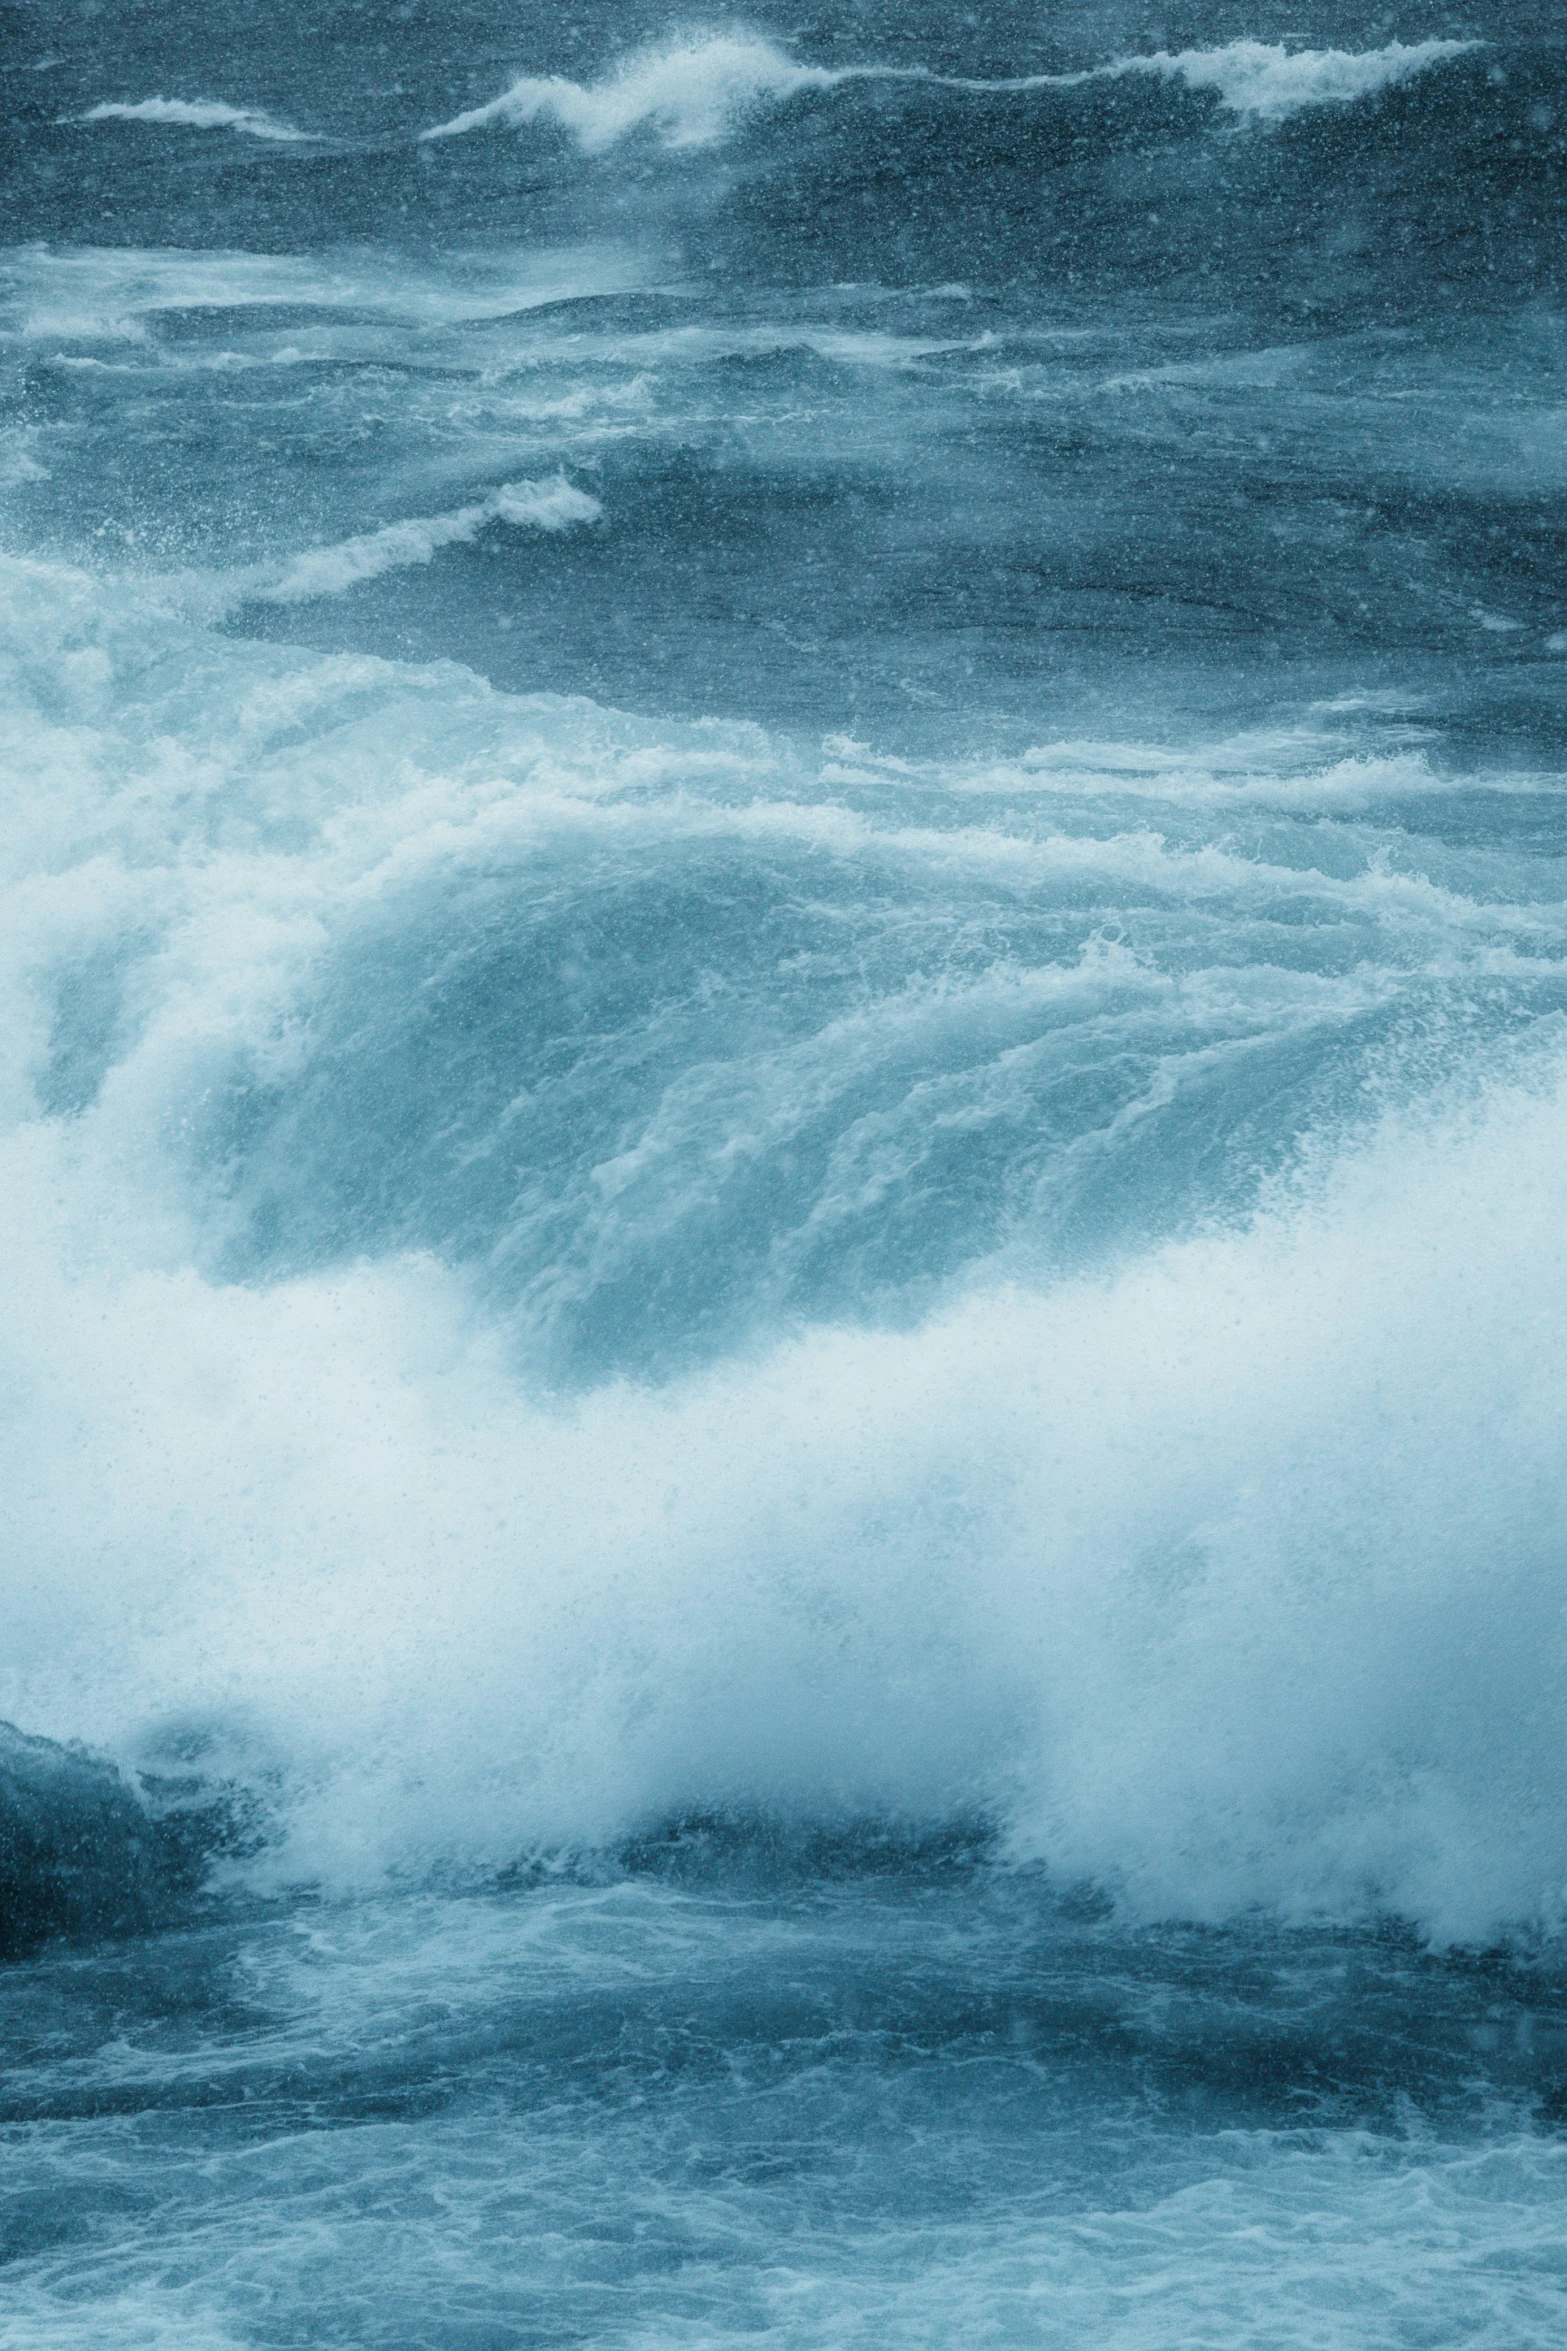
point(196, 114)
point(694, 91)
point(553, 505)
point(1267, 82)
point(1229, 1575)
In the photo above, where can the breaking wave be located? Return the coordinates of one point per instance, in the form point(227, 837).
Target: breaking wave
point(1227, 1573)
point(696, 92)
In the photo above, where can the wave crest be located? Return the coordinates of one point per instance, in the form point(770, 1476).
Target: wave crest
point(554, 504)
point(1230, 1577)
point(196, 114)
point(694, 92)
point(326, 571)
point(1268, 82)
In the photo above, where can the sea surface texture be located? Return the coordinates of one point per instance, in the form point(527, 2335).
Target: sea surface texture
point(783, 1129)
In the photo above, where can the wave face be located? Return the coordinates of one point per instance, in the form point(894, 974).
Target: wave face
point(680, 902)
point(783, 1108)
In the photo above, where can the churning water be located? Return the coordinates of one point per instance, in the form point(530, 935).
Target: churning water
point(783, 1040)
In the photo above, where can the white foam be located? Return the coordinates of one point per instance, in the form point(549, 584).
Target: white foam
point(111, 293)
point(1301, 769)
point(1098, 2223)
point(1267, 82)
point(699, 90)
point(196, 114)
point(694, 91)
point(1234, 1580)
point(553, 505)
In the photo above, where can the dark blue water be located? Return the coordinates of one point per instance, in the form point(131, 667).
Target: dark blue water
point(784, 1100)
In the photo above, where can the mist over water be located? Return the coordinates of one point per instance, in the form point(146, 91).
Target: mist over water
point(783, 1096)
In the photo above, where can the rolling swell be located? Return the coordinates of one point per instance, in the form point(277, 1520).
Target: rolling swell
point(1341, 208)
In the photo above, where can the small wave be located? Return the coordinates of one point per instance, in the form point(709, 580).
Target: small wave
point(102, 293)
point(326, 571)
point(695, 93)
point(196, 114)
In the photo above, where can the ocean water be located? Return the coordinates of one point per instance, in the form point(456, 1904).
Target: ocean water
point(783, 1117)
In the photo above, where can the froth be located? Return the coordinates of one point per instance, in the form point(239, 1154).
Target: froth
point(1233, 1579)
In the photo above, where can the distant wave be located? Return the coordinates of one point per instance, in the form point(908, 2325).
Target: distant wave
point(697, 92)
point(326, 571)
point(196, 114)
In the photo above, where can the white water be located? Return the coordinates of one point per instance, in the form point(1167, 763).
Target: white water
point(783, 1083)
point(327, 571)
